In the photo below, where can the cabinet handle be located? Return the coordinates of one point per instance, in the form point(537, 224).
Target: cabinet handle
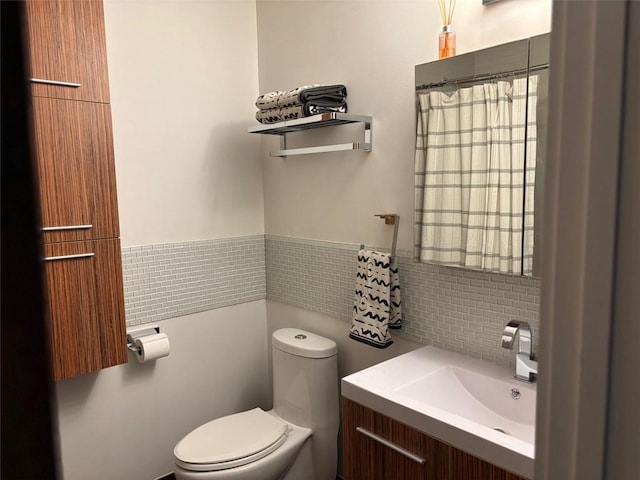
point(66, 227)
point(55, 82)
point(391, 445)
point(68, 257)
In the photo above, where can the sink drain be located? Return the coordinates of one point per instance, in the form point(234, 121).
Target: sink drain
point(498, 429)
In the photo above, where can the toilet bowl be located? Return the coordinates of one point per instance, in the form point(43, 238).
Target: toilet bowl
point(297, 440)
point(242, 446)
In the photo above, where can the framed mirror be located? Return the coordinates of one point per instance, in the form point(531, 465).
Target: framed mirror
point(480, 137)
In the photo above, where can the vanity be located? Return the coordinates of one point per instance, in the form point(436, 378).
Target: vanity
point(434, 414)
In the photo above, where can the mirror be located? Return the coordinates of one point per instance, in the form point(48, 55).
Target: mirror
point(479, 166)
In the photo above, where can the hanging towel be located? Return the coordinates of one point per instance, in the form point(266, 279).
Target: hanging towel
point(395, 313)
point(376, 306)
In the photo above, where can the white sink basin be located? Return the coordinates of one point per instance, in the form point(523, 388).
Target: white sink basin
point(473, 405)
point(479, 398)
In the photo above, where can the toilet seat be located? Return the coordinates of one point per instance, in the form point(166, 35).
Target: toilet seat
point(231, 441)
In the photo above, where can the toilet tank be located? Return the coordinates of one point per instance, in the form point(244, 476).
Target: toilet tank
point(305, 379)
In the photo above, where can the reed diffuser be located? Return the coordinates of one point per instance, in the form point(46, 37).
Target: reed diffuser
point(447, 38)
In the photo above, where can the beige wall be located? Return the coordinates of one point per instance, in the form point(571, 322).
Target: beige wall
point(183, 76)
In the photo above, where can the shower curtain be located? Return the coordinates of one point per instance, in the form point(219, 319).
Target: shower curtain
point(471, 208)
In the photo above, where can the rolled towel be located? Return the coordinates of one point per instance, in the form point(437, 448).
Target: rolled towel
point(335, 94)
point(268, 101)
point(274, 115)
point(328, 95)
point(312, 108)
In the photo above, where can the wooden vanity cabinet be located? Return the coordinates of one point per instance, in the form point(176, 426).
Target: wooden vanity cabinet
point(468, 467)
point(367, 458)
point(77, 186)
point(68, 54)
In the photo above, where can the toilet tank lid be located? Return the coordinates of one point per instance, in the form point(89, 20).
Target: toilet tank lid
point(303, 344)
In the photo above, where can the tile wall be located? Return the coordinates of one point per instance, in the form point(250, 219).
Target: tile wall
point(456, 309)
point(175, 279)
point(460, 310)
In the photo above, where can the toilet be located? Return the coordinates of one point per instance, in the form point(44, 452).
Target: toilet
point(297, 440)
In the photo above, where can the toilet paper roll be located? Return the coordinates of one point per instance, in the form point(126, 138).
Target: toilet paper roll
point(152, 347)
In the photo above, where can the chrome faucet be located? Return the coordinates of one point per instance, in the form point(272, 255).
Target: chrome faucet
point(526, 366)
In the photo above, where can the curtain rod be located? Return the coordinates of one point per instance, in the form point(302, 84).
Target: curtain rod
point(480, 78)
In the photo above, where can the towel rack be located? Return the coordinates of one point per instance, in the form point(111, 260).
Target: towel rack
point(327, 119)
point(389, 219)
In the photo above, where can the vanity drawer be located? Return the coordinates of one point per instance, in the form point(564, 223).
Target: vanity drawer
point(378, 447)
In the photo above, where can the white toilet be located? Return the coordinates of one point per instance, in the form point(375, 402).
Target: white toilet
point(297, 440)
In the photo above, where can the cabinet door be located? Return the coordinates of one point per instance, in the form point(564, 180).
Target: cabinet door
point(86, 306)
point(465, 466)
point(367, 458)
point(74, 150)
point(67, 44)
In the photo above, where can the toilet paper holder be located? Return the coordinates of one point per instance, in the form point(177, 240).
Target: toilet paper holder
point(132, 335)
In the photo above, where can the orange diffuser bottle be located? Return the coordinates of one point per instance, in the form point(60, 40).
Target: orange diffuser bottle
point(447, 38)
point(447, 42)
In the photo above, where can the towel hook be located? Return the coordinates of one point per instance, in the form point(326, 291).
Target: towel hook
point(390, 219)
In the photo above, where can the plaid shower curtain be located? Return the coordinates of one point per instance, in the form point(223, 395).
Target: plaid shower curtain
point(471, 207)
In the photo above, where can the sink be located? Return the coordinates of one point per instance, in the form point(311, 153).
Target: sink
point(471, 404)
point(491, 402)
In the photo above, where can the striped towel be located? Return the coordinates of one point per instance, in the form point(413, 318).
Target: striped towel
point(274, 115)
point(377, 304)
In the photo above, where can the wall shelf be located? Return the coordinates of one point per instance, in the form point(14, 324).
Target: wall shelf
point(322, 120)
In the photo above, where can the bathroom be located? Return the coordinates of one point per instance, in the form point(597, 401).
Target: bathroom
point(212, 228)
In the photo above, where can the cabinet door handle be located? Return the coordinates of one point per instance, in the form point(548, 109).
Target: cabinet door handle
point(55, 82)
point(66, 227)
point(391, 445)
point(69, 257)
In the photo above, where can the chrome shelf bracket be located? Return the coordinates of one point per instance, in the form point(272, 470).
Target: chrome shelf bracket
point(317, 121)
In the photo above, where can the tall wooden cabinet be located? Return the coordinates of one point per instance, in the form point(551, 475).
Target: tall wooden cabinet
point(74, 151)
point(68, 56)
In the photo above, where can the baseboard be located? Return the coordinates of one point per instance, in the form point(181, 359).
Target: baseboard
point(168, 476)
point(171, 476)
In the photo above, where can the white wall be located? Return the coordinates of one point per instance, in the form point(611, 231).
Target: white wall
point(372, 47)
point(123, 422)
point(183, 76)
